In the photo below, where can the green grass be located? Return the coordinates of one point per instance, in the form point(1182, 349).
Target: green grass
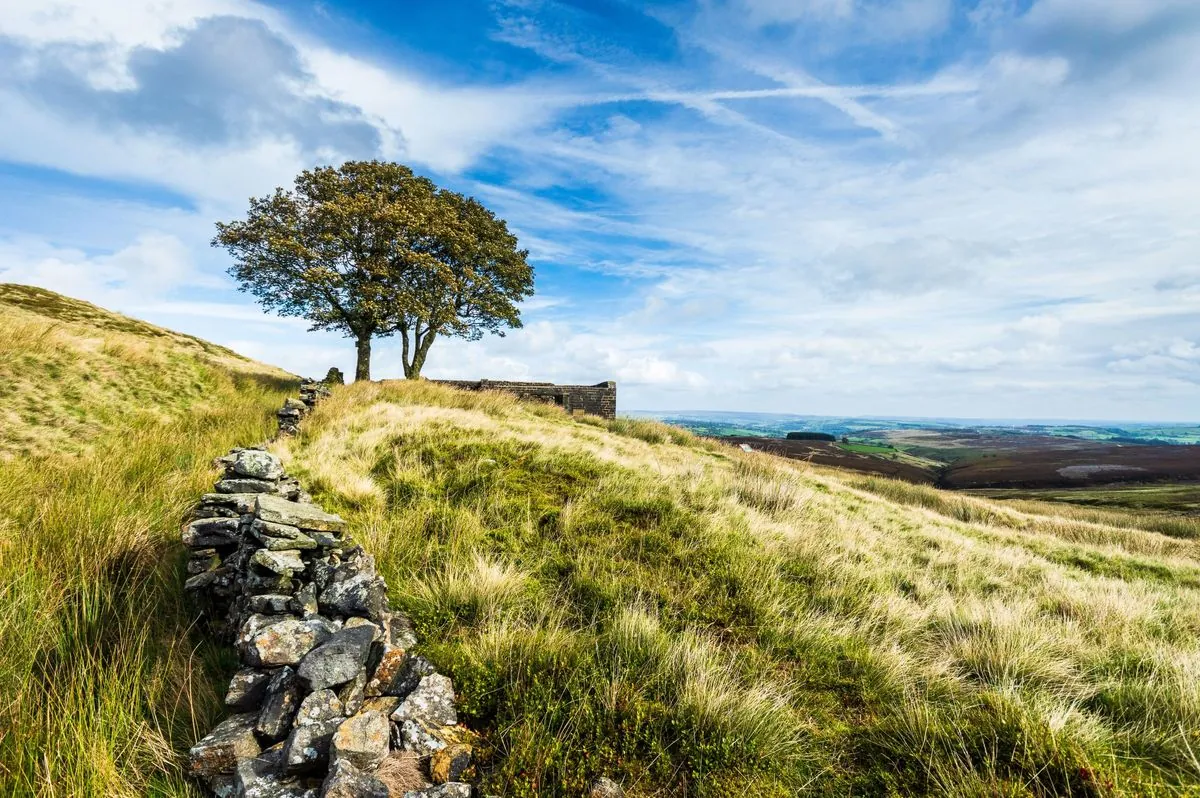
point(103, 686)
point(623, 599)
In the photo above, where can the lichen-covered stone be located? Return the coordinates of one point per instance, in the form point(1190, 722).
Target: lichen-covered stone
point(281, 537)
point(421, 738)
point(605, 787)
point(307, 747)
point(453, 789)
point(347, 781)
point(278, 510)
point(431, 704)
point(219, 751)
point(203, 560)
point(246, 689)
point(339, 659)
point(241, 503)
point(270, 604)
point(257, 464)
point(245, 485)
point(209, 532)
point(353, 693)
point(287, 563)
point(304, 603)
point(287, 641)
point(399, 675)
point(362, 740)
point(450, 763)
point(282, 701)
point(362, 594)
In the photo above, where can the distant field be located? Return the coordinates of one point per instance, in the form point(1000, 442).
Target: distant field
point(1162, 498)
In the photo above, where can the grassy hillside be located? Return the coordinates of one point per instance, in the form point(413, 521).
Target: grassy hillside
point(69, 371)
point(107, 431)
point(621, 598)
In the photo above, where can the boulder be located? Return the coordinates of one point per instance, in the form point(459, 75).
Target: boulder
point(431, 704)
point(246, 689)
point(347, 781)
point(280, 705)
point(362, 740)
point(256, 464)
point(219, 751)
point(339, 659)
point(278, 510)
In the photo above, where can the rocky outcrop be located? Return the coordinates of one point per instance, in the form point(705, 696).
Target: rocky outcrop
point(328, 689)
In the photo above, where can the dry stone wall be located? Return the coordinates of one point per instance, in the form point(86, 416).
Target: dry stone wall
point(597, 400)
point(329, 701)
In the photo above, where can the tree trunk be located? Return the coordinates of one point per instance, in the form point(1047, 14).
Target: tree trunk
point(418, 361)
point(362, 370)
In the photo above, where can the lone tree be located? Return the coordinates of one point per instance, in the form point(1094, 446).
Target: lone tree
point(372, 250)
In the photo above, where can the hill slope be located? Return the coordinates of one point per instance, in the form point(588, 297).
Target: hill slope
point(108, 427)
point(70, 370)
point(620, 598)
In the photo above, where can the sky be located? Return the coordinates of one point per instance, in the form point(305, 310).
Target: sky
point(847, 207)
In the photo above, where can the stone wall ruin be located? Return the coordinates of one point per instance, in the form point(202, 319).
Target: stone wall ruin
point(597, 400)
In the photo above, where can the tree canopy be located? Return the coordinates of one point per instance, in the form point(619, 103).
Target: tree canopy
point(372, 250)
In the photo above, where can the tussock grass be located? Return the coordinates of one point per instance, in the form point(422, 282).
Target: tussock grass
point(101, 685)
point(614, 598)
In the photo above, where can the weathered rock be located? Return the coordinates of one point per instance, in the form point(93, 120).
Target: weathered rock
point(362, 594)
point(278, 510)
point(245, 485)
point(454, 789)
point(362, 740)
point(256, 464)
point(208, 532)
point(281, 537)
point(219, 751)
point(263, 777)
point(450, 763)
point(402, 679)
point(259, 582)
point(241, 503)
point(280, 705)
point(304, 603)
point(347, 781)
point(203, 560)
point(246, 689)
point(605, 787)
point(270, 603)
point(386, 704)
point(285, 563)
point(308, 745)
point(421, 738)
point(339, 659)
point(287, 641)
point(432, 703)
point(353, 693)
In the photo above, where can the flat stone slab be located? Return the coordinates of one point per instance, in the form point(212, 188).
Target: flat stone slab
point(431, 704)
point(256, 464)
point(278, 510)
point(219, 751)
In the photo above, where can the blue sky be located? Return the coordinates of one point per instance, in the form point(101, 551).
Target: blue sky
point(915, 207)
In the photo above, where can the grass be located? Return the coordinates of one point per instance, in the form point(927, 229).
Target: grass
point(102, 686)
point(69, 371)
point(620, 598)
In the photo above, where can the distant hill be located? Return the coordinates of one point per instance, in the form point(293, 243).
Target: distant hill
point(70, 370)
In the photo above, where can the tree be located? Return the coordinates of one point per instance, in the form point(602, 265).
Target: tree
point(372, 250)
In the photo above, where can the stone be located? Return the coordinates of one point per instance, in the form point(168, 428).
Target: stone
point(399, 630)
point(339, 659)
point(327, 540)
point(219, 751)
point(246, 689)
point(353, 693)
point(361, 594)
point(286, 642)
point(386, 704)
point(304, 603)
point(284, 563)
point(210, 511)
point(432, 703)
point(308, 745)
point(347, 781)
point(605, 787)
point(241, 503)
point(281, 537)
point(362, 740)
point(208, 532)
point(270, 603)
point(280, 705)
point(453, 789)
point(421, 738)
point(402, 679)
point(256, 464)
point(263, 777)
point(278, 510)
point(257, 583)
point(450, 763)
point(245, 485)
point(355, 622)
point(203, 560)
